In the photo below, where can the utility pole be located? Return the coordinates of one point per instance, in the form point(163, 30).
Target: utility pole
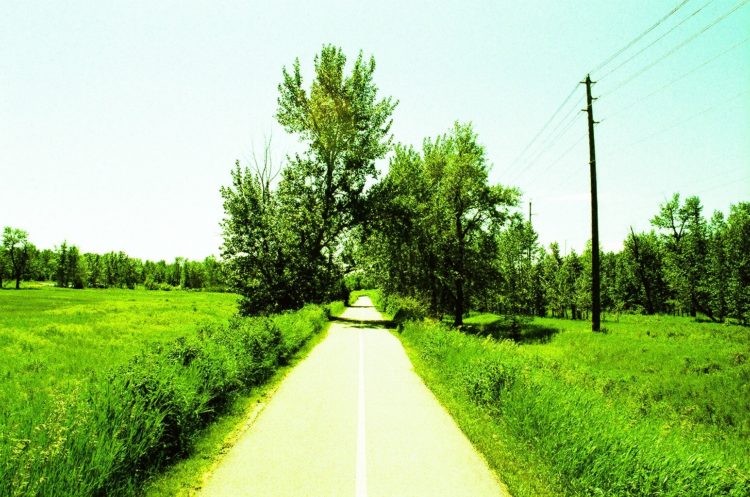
point(530, 214)
point(595, 283)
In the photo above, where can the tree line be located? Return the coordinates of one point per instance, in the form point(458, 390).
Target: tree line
point(67, 267)
point(684, 265)
point(435, 229)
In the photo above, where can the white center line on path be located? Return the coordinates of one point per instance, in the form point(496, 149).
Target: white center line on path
point(361, 478)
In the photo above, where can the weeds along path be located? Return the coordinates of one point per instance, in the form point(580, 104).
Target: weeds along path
point(353, 419)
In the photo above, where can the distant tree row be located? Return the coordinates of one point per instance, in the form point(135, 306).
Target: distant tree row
point(67, 267)
point(684, 265)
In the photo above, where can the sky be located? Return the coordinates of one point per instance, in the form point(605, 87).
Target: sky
point(120, 121)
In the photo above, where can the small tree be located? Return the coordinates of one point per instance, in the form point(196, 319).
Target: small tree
point(17, 250)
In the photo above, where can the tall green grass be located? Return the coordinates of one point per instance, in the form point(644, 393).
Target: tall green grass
point(52, 340)
point(108, 434)
point(654, 407)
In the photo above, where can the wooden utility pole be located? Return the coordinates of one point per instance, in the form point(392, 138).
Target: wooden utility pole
point(595, 283)
point(529, 248)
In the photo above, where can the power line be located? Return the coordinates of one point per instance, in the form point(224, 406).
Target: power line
point(563, 155)
point(560, 129)
point(682, 121)
point(683, 189)
point(640, 36)
point(744, 178)
point(677, 47)
point(678, 78)
point(663, 35)
point(551, 140)
point(539, 133)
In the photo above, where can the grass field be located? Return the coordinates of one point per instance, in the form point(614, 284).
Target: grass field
point(125, 383)
point(52, 339)
point(655, 406)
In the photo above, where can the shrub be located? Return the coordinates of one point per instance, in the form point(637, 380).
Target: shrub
point(404, 309)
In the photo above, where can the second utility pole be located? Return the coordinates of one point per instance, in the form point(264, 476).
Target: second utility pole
point(595, 283)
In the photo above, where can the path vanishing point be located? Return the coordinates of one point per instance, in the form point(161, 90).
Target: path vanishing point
point(353, 420)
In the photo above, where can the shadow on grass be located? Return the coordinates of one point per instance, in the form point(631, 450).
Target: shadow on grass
point(519, 330)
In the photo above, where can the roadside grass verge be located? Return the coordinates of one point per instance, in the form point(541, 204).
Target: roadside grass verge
point(108, 436)
point(186, 476)
point(657, 406)
point(336, 308)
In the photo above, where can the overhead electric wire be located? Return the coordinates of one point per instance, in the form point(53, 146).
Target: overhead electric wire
point(551, 140)
point(663, 35)
point(682, 121)
point(563, 155)
point(639, 37)
point(678, 78)
point(677, 47)
point(539, 133)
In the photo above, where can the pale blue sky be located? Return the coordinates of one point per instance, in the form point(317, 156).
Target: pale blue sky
point(119, 121)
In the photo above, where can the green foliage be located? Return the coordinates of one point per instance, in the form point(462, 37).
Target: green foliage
point(655, 407)
point(256, 244)
point(403, 309)
point(737, 239)
point(53, 340)
point(17, 252)
point(110, 433)
point(684, 235)
point(68, 268)
point(436, 218)
point(336, 308)
point(374, 294)
point(283, 246)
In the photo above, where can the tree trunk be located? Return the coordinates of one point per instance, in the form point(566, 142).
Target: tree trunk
point(459, 318)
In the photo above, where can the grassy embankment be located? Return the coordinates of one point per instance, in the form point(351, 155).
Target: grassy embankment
point(96, 423)
point(656, 406)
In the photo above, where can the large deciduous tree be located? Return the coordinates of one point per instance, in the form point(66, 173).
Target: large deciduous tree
point(284, 244)
point(685, 240)
point(439, 221)
point(346, 128)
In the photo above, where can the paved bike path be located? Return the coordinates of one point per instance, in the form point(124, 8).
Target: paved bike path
point(353, 419)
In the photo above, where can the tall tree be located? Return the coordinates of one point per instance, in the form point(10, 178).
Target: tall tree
point(738, 252)
point(719, 267)
point(684, 237)
point(442, 210)
point(17, 249)
point(346, 128)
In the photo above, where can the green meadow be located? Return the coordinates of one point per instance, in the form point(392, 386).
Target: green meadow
point(54, 339)
point(103, 389)
point(656, 405)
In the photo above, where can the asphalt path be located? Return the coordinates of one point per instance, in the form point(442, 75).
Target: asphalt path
point(353, 419)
